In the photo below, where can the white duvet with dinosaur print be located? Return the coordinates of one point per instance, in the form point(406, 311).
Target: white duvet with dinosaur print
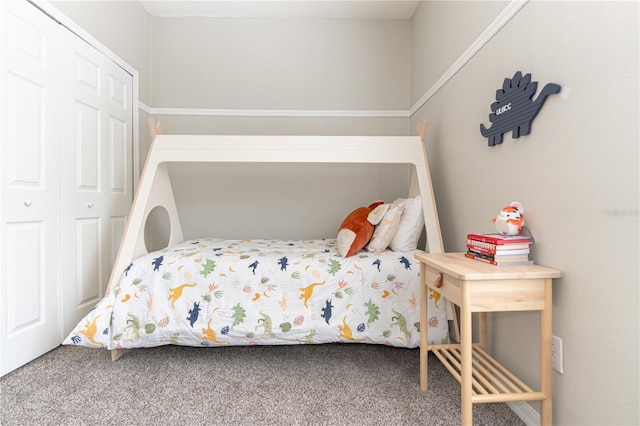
point(213, 292)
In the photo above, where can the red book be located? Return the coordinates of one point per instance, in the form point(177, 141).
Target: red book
point(498, 239)
point(506, 252)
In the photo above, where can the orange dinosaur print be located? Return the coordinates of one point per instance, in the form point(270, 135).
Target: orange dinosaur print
point(435, 296)
point(307, 292)
point(210, 335)
point(90, 330)
point(346, 332)
point(175, 293)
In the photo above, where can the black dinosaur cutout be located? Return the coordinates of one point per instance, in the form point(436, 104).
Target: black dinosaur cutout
point(514, 108)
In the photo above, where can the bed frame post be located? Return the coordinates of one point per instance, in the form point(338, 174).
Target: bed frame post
point(434, 236)
point(421, 184)
point(153, 191)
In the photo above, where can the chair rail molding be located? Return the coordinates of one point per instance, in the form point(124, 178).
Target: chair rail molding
point(501, 20)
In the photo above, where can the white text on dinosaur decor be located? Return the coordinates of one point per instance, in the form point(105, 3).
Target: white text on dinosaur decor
point(502, 109)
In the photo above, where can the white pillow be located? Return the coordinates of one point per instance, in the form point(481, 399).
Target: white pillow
point(410, 227)
point(386, 229)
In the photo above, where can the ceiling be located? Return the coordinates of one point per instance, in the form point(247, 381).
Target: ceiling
point(334, 9)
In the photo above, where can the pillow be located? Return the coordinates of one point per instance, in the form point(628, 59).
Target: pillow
point(356, 229)
point(386, 229)
point(410, 227)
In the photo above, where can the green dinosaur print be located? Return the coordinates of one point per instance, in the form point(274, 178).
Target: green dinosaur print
point(173, 340)
point(266, 323)
point(334, 266)
point(239, 315)
point(309, 337)
point(401, 322)
point(372, 312)
point(208, 267)
point(134, 325)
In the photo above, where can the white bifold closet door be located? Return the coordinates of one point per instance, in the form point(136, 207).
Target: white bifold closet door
point(66, 145)
point(96, 159)
point(29, 185)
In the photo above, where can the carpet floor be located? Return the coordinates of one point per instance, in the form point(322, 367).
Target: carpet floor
point(333, 384)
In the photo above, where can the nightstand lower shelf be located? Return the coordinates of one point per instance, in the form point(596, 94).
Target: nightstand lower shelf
point(491, 381)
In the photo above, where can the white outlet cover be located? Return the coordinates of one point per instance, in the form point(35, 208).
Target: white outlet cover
point(557, 354)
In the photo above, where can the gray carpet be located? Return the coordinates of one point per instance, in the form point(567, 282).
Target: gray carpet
point(337, 384)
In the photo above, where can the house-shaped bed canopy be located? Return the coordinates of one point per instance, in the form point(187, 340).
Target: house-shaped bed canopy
point(155, 189)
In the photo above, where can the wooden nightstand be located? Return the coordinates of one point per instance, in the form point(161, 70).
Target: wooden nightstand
point(480, 287)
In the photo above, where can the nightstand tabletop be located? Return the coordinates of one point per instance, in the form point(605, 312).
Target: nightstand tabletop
point(461, 267)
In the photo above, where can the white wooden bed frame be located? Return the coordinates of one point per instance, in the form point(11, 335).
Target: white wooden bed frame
point(154, 188)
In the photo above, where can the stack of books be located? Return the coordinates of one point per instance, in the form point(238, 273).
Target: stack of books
point(503, 250)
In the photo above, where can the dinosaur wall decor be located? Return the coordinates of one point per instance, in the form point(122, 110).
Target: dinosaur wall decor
point(514, 108)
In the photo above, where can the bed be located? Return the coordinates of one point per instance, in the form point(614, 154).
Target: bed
point(212, 292)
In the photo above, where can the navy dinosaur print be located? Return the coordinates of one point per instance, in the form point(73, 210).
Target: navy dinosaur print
point(253, 267)
point(377, 263)
point(193, 313)
point(157, 262)
point(283, 262)
point(405, 262)
point(327, 311)
point(126, 271)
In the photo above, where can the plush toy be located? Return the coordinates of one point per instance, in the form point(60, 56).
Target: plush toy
point(510, 220)
point(356, 229)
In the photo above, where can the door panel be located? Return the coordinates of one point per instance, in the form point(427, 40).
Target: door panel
point(29, 185)
point(88, 252)
point(97, 178)
point(87, 147)
point(25, 283)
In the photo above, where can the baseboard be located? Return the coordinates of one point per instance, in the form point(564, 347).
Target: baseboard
point(526, 412)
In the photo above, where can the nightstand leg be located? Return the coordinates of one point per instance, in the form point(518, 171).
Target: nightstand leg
point(465, 349)
point(424, 329)
point(546, 327)
point(482, 330)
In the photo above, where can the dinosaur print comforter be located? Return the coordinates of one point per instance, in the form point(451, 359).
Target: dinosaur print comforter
point(213, 292)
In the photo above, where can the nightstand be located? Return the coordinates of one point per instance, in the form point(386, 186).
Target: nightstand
point(480, 287)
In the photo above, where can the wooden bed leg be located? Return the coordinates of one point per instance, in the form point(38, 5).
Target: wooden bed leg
point(116, 354)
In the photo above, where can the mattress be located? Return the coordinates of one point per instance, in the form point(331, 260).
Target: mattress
point(215, 292)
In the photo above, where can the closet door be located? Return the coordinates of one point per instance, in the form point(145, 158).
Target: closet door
point(29, 185)
point(97, 147)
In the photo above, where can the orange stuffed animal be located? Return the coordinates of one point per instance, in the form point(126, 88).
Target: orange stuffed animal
point(510, 220)
point(356, 230)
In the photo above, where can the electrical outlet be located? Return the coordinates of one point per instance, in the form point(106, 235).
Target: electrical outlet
point(556, 354)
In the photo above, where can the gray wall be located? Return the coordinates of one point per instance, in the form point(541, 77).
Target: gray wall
point(280, 63)
point(259, 65)
point(576, 175)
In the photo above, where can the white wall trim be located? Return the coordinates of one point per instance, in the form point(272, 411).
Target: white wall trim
point(274, 112)
point(526, 412)
point(501, 20)
point(144, 108)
